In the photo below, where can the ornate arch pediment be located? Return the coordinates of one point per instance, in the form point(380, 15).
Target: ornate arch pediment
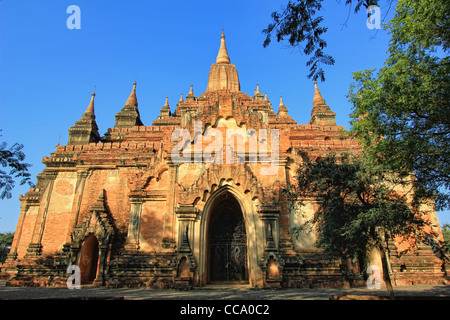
point(218, 175)
point(98, 222)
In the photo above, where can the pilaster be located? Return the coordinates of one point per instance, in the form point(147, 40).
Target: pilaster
point(134, 224)
point(35, 246)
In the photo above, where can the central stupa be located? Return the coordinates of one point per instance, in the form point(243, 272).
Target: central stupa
point(223, 74)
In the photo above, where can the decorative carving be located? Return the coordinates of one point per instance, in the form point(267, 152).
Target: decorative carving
point(215, 174)
point(99, 222)
point(138, 181)
point(186, 214)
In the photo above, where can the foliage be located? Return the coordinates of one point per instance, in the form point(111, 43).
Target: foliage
point(300, 23)
point(12, 158)
point(446, 234)
point(402, 114)
point(6, 240)
point(359, 205)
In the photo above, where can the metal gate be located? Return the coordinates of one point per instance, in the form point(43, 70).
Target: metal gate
point(228, 249)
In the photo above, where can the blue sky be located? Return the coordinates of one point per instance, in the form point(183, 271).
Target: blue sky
point(48, 72)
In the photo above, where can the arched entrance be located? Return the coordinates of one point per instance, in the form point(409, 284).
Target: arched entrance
point(88, 261)
point(227, 242)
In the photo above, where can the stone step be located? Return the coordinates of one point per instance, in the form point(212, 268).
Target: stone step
point(222, 287)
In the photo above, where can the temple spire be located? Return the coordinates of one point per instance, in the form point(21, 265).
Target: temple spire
point(281, 102)
point(132, 99)
point(90, 108)
point(223, 57)
point(223, 74)
point(282, 110)
point(321, 113)
point(318, 99)
point(85, 130)
point(283, 113)
point(258, 95)
point(129, 115)
point(165, 111)
point(190, 96)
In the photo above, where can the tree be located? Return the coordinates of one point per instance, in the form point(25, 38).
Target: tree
point(300, 23)
point(401, 113)
point(359, 207)
point(12, 158)
point(446, 234)
point(6, 240)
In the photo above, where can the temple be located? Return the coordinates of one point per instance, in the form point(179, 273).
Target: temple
point(192, 199)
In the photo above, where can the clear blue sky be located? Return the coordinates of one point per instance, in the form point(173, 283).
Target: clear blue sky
point(48, 72)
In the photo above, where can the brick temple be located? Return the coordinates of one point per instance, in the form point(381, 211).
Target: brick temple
point(182, 202)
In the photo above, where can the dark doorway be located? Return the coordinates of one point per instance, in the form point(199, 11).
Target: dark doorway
point(227, 239)
point(89, 260)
